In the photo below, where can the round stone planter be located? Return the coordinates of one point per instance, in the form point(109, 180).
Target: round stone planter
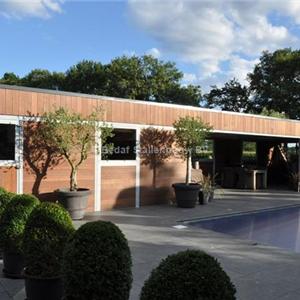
point(186, 194)
point(75, 202)
point(43, 288)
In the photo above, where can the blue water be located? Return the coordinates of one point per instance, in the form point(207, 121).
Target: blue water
point(280, 227)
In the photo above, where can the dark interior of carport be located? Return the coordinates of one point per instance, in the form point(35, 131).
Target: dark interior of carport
point(276, 158)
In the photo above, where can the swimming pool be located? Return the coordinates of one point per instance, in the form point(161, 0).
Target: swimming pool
point(277, 227)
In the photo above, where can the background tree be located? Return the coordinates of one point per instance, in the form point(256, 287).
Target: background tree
point(86, 77)
point(272, 113)
point(43, 79)
point(275, 82)
point(231, 97)
point(187, 95)
point(135, 77)
point(155, 148)
point(147, 78)
point(11, 79)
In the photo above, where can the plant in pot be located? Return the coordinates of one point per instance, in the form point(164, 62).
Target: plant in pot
point(47, 231)
point(74, 135)
point(12, 225)
point(186, 275)
point(97, 263)
point(190, 133)
point(207, 189)
point(5, 198)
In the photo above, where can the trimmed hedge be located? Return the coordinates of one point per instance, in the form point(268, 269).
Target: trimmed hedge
point(97, 263)
point(46, 234)
point(13, 220)
point(188, 275)
point(5, 198)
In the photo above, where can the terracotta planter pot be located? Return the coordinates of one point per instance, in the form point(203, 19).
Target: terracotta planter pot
point(13, 265)
point(75, 202)
point(43, 288)
point(186, 194)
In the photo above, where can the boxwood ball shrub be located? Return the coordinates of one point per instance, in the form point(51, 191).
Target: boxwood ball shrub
point(5, 198)
point(97, 263)
point(13, 220)
point(46, 233)
point(188, 275)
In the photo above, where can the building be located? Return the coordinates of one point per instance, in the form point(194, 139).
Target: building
point(124, 181)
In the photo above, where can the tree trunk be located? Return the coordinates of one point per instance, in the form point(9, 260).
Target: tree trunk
point(37, 183)
point(154, 177)
point(73, 179)
point(187, 175)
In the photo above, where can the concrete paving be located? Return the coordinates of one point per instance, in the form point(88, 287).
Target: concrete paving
point(258, 271)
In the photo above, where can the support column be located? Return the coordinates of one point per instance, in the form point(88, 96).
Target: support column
point(97, 194)
point(214, 162)
point(19, 157)
point(137, 169)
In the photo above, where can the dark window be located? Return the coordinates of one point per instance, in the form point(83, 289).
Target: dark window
point(124, 144)
point(7, 142)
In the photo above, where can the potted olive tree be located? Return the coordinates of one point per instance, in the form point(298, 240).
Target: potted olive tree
point(190, 133)
point(73, 136)
point(47, 231)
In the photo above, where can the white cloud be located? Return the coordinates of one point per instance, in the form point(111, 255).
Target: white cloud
point(239, 68)
point(215, 33)
point(29, 8)
point(154, 52)
point(189, 78)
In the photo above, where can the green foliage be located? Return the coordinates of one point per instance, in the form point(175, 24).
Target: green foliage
point(13, 221)
point(86, 77)
point(272, 113)
point(188, 275)
point(275, 82)
point(187, 95)
point(97, 263)
point(190, 133)
point(46, 234)
point(5, 198)
point(73, 135)
point(231, 97)
point(134, 77)
point(11, 79)
point(43, 79)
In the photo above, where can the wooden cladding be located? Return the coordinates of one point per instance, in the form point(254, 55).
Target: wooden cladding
point(59, 177)
point(117, 187)
point(22, 102)
point(172, 171)
point(8, 178)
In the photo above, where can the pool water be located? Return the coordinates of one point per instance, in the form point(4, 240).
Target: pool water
point(277, 227)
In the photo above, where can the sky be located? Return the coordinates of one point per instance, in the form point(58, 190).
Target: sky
point(210, 41)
